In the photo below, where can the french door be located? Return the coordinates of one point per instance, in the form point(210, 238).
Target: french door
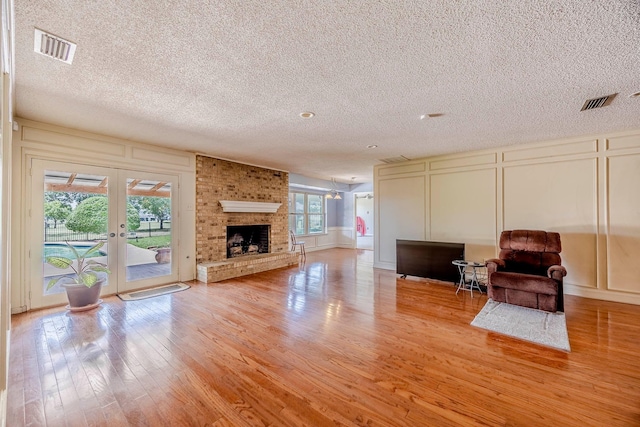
point(130, 211)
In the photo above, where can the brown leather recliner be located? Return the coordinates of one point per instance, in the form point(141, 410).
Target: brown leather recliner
point(528, 272)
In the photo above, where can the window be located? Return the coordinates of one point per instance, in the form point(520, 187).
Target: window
point(296, 213)
point(307, 213)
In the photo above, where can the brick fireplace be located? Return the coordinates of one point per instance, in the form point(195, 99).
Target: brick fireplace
point(219, 181)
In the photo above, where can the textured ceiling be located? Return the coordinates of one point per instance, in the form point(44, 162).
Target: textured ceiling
point(229, 78)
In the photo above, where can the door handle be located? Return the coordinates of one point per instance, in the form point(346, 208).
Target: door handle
point(112, 234)
point(121, 234)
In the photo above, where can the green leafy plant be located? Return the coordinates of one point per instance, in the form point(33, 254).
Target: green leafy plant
point(85, 270)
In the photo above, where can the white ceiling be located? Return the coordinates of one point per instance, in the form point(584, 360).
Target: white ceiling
point(229, 78)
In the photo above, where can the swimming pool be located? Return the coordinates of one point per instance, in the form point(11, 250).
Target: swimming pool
point(61, 249)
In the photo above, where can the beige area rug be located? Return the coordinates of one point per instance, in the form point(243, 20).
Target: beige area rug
point(154, 292)
point(540, 327)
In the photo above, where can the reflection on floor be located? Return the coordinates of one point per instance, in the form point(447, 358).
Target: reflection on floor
point(331, 342)
point(364, 242)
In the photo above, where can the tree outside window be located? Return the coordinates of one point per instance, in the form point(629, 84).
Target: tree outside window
point(56, 211)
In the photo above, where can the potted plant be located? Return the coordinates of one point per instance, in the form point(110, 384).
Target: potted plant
point(84, 289)
point(163, 255)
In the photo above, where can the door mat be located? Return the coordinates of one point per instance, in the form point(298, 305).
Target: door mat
point(537, 326)
point(154, 292)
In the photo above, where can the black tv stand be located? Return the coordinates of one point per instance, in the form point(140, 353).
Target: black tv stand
point(428, 259)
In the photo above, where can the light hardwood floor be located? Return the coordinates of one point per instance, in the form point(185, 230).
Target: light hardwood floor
point(333, 342)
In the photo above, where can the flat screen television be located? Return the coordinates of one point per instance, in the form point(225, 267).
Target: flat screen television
point(427, 259)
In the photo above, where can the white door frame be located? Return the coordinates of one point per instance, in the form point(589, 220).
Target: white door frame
point(117, 240)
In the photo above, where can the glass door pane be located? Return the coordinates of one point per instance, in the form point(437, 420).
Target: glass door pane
point(76, 212)
point(147, 230)
point(71, 204)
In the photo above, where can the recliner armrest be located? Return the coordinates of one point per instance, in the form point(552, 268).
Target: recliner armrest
point(556, 272)
point(495, 265)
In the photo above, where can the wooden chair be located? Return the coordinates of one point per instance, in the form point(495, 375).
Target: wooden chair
point(298, 243)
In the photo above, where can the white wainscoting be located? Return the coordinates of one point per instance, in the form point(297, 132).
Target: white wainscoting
point(336, 237)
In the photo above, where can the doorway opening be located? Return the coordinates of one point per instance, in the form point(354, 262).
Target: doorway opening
point(364, 220)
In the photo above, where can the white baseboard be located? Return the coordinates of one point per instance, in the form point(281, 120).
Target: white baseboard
point(385, 265)
point(613, 296)
point(3, 408)
point(3, 387)
point(569, 289)
point(18, 310)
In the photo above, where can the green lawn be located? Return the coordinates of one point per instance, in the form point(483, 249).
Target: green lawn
point(145, 242)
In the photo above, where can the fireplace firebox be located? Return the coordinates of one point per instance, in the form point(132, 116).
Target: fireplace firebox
point(243, 240)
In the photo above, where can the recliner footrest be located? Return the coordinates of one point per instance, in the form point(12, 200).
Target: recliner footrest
point(525, 282)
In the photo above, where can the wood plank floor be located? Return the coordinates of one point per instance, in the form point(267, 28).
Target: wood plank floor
point(333, 342)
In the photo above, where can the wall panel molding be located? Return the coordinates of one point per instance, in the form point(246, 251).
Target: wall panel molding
point(56, 143)
point(559, 196)
point(623, 249)
point(584, 188)
point(470, 213)
point(546, 151)
point(71, 142)
point(402, 168)
point(623, 142)
point(459, 162)
point(403, 213)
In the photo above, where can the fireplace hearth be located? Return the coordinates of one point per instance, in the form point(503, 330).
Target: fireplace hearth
point(243, 240)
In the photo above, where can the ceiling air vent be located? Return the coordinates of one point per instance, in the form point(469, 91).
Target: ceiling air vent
point(53, 46)
point(395, 159)
point(603, 101)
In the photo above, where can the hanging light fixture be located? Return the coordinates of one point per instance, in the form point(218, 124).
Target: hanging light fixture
point(333, 193)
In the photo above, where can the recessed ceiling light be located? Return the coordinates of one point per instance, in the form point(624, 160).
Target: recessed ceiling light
point(635, 95)
point(372, 146)
point(307, 115)
point(422, 117)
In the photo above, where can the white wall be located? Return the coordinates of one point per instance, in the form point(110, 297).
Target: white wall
point(583, 188)
point(5, 244)
point(6, 108)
